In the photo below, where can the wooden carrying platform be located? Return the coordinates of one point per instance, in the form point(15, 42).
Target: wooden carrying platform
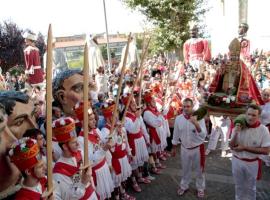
point(219, 111)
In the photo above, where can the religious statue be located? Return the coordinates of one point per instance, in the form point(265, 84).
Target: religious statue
point(233, 81)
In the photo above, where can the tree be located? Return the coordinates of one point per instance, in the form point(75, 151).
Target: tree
point(171, 19)
point(11, 42)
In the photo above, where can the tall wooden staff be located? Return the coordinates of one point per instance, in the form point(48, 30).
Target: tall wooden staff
point(85, 104)
point(49, 111)
point(120, 86)
point(136, 81)
point(257, 64)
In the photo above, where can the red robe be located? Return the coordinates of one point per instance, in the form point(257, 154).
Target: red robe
point(32, 65)
point(247, 87)
point(196, 49)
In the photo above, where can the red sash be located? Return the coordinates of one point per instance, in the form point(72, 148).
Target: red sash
point(152, 131)
point(131, 141)
point(88, 192)
point(116, 155)
point(202, 157)
point(66, 169)
point(259, 173)
point(95, 168)
point(131, 136)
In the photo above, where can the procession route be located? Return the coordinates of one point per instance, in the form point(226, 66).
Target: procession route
point(219, 181)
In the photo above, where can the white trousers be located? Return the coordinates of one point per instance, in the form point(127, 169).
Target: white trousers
point(190, 158)
point(244, 175)
point(215, 134)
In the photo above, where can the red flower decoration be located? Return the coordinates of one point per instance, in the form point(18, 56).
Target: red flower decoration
point(29, 143)
point(17, 149)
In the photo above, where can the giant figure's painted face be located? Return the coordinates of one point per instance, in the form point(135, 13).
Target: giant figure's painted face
point(22, 118)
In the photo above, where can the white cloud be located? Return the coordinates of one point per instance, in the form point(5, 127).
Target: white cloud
point(71, 16)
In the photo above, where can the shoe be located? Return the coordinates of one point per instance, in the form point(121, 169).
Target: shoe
point(144, 180)
point(151, 178)
point(223, 154)
point(181, 191)
point(200, 194)
point(136, 187)
point(207, 152)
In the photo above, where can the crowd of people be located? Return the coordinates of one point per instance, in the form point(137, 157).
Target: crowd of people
point(129, 141)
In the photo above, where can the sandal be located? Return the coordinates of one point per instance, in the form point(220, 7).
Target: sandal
point(136, 187)
point(144, 180)
point(160, 166)
point(200, 194)
point(163, 158)
point(155, 171)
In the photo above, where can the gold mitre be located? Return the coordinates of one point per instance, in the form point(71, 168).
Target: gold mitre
point(235, 47)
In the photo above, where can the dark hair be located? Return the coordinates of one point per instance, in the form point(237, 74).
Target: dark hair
point(8, 99)
point(255, 107)
point(59, 80)
point(32, 133)
point(188, 100)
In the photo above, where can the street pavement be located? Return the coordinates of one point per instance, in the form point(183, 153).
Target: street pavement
point(219, 181)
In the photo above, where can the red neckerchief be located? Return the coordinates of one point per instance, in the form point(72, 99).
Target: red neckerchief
point(153, 110)
point(131, 116)
point(186, 116)
point(256, 125)
point(92, 136)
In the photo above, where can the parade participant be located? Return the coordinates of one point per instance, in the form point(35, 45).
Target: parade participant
point(32, 60)
point(25, 155)
point(154, 123)
point(134, 127)
point(121, 169)
point(71, 182)
point(98, 154)
point(221, 127)
point(68, 90)
point(196, 50)
point(265, 116)
point(191, 133)
point(245, 44)
point(247, 145)
point(102, 81)
point(37, 135)
point(20, 112)
point(95, 56)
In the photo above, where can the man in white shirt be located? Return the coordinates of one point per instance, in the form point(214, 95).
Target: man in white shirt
point(247, 145)
point(191, 133)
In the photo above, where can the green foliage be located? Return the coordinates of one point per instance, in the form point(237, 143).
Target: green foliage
point(171, 19)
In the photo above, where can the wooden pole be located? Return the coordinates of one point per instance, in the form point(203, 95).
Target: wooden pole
point(120, 85)
point(49, 109)
point(85, 104)
point(136, 81)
